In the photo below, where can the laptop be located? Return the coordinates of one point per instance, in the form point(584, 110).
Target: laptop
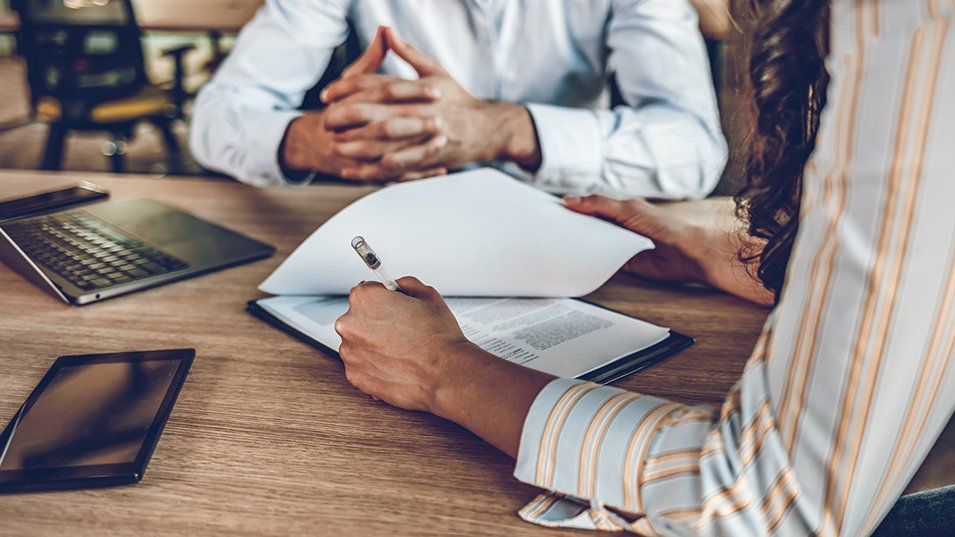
point(100, 250)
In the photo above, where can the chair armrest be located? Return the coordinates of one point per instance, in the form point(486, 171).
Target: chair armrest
point(179, 51)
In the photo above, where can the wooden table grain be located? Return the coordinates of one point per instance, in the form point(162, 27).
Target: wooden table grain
point(267, 436)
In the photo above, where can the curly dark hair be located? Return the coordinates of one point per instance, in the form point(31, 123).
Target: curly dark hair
point(787, 45)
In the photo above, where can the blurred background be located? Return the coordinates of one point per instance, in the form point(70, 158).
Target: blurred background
point(106, 85)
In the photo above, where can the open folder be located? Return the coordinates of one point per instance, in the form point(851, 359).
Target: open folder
point(512, 257)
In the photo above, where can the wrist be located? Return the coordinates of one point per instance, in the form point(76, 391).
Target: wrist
point(300, 150)
point(697, 246)
point(458, 366)
point(291, 154)
point(514, 129)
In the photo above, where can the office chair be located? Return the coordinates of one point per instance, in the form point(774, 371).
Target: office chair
point(86, 72)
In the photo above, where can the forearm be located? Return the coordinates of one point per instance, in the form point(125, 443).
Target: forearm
point(488, 395)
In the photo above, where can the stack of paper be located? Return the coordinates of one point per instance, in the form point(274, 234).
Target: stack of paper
point(478, 233)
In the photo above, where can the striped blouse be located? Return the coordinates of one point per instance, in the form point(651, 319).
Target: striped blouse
point(852, 379)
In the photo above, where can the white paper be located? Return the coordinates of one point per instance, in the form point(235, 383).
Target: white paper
point(477, 233)
point(563, 337)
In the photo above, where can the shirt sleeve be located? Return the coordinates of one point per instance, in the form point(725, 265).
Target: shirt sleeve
point(666, 140)
point(853, 377)
point(241, 116)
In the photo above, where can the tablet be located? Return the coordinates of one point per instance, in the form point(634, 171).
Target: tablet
point(92, 421)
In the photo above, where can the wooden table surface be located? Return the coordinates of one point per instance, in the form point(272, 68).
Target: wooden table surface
point(229, 16)
point(267, 436)
point(226, 16)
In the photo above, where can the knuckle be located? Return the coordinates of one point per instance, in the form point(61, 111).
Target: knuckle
point(333, 115)
point(341, 327)
point(353, 112)
point(371, 173)
point(391, 128)
point(393, 163)
point(363, 150)
point(340, 149)
point(391, 90)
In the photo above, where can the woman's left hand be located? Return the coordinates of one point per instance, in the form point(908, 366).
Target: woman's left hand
point(396, 346)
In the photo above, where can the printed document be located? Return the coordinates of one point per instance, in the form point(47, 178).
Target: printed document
point(563, 337)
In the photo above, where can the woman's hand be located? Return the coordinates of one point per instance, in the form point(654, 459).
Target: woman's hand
point(407, 349)
point(684, 252)
point(675, 239)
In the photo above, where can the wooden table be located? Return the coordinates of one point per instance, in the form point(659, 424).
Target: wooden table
point(200, 16)
point(225, 16)
point(229, 16)
point(267, 436)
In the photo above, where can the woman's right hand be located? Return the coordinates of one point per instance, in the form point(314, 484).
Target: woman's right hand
point(671, 260)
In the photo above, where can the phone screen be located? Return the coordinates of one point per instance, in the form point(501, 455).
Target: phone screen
point(47, 201)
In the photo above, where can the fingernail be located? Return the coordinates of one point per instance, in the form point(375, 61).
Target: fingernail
point(572, 200)
point(323, 96)
point(441, 141)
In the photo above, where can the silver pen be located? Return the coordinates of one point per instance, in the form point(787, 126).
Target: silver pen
point(374, 262)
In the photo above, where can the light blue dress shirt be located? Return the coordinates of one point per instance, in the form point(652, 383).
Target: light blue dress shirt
point(554, 56)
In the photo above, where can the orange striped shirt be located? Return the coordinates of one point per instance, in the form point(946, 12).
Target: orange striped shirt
point(852, 380)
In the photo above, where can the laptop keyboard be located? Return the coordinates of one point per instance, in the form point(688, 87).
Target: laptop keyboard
point(87, 251)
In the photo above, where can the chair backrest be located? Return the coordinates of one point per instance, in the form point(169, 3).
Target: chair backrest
point(80, 51)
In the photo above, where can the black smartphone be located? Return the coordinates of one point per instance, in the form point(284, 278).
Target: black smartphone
point(50, 201)
point(92, 421)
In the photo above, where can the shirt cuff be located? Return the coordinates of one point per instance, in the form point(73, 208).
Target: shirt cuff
point(542, 445)
point(558, 511)
point(267, 130)
point(546, 423)
point(570, 142)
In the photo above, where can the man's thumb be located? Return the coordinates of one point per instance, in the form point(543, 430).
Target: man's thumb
point(371, 59)
point(422, 63)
